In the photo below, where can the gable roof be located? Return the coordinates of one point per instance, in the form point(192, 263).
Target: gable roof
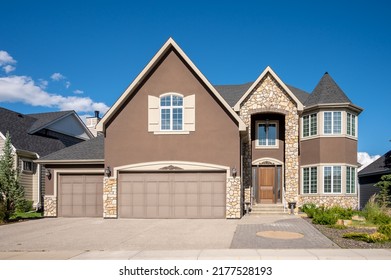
point(45, 119)
point(20, 125)
point(232, 93)
point(380, 166)
point(144, 73)
point(91, 151)
point(274, 75)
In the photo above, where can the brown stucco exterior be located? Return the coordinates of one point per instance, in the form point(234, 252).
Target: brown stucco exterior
point(328, 150)
point(216, 137)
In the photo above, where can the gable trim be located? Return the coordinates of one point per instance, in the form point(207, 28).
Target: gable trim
point(279, 81)
point(88, 132)
point(144, 73)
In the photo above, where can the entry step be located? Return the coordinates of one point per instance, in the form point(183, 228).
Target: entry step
point(262, 209)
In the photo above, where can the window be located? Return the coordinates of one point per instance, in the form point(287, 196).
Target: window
point(267, 134)
point(310, 125)
point(171, 112)
point(310, 180)
point(332, 123)
point(350, 179)
point(27, 166)
point(332, 179)
point(351, 124)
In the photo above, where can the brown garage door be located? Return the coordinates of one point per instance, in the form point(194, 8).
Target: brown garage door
point(172, 195)
point(80, 196)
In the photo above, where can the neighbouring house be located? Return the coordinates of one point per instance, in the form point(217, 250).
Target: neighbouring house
point(36, 135)
point(370, 175)
point(175, 146)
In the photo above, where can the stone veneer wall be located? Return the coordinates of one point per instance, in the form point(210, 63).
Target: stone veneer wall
point(234, 199)
point(110, 197)
point(50, 206)
point(269, 96)
point(330, 201)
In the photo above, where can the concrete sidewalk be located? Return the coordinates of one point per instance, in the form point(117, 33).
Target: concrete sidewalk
point(223, 254)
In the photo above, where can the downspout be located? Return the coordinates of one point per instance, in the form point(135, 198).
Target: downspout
point(39, 185)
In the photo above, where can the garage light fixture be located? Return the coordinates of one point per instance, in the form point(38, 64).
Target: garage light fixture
point(107, 171)
point(234, 172)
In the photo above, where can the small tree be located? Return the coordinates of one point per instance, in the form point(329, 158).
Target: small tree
point(385, 187)
point(11, 192)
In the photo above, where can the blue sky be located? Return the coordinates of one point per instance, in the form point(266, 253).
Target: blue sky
point(59, 55)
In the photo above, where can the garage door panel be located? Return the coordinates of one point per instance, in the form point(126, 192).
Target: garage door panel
point(172, 195)
point(80, 195)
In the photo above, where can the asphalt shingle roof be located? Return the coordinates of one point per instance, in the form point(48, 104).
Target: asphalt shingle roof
point(18, 125)
point(380, 166)
point(44, 119)
point(232, 93)
point(327, 92)
point(92, 149)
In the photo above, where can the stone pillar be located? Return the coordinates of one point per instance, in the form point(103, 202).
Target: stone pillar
point(110, 198)
point(50, 206)
point(234, 199)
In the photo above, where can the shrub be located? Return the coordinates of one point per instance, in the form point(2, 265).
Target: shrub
point(2, 211)
point(381, 219)
point(25, 206)
point(342, 213)
point(386, 230)
point(356, 236)
point(309, 209)
point(374, 213)
point(377, 237)
point(325, 217)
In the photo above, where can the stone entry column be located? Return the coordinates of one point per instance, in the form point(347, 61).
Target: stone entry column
point(110, 202)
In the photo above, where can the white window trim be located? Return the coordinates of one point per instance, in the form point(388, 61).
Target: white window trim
point(27, 170)
point(309, 126)
point(350, 135)
point(171, 107)
point(332, 123)
point(332, 179)
point(257, 146)
point(355, 180)
point(317, 181)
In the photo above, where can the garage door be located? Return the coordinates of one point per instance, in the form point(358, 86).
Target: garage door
point(172, 195)
point(80, 196)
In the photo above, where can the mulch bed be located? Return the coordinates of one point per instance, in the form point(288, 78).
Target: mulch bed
point(335, 235)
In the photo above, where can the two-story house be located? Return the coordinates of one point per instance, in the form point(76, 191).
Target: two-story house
point(175, 146)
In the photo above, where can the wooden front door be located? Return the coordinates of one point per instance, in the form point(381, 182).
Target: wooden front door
point(266, 184)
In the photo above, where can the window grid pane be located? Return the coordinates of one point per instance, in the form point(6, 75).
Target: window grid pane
point(337, 122)
point(353, 125)
point(262, 134)
point(271, 135)
point(314, 179)
point(327, 122)
point(353, 183)
point(348, 124)
point(348, 179)
point(314, 125)
point(327, 179)
point(336, 179)
point(177, 119)
point(165, 119)
point(306, 180)
point(306, 126)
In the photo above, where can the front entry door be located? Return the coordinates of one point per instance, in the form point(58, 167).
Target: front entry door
point(266, 184)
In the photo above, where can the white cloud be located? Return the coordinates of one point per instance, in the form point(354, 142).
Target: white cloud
point(43, 83)
point(6, 58)
point(78, 91)
point(67, 84)
point(23, 89)
point(365, 159)
point(57, 76)
point(8, 68)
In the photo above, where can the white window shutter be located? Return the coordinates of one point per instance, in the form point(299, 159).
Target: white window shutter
point(189, 112)
point(153, 113)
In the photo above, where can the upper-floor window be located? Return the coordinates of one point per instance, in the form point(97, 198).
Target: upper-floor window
point(332, 123)
point(171, 112)
point(267, 134)
point(351, 124)
point(332, 178)
point(310, 180)
point(310, 125)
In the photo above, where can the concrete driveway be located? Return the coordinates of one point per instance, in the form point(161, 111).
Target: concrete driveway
point(88, 234)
